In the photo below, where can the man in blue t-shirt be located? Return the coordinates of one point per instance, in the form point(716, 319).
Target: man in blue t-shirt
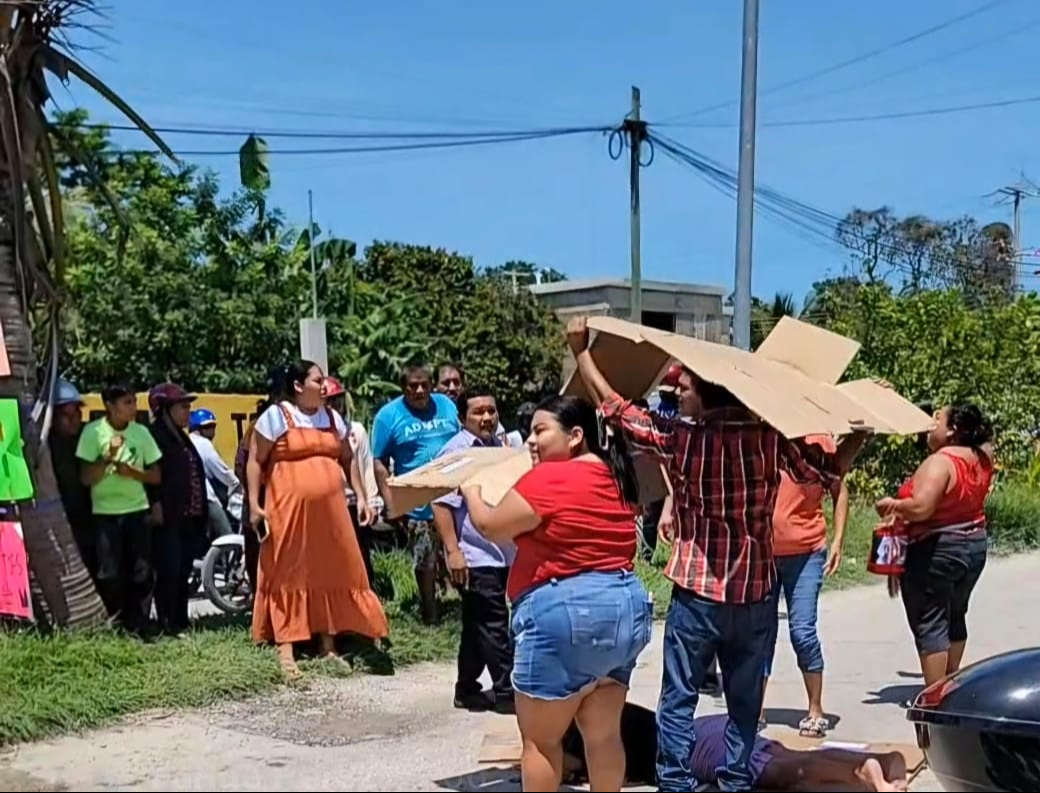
point(407, 433)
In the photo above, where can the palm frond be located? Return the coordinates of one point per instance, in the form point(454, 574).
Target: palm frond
point(61, 65)
point(96, 179)
point(57, 214)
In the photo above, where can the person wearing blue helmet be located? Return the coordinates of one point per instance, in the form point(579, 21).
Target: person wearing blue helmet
point(63, 439)
point(223, 489)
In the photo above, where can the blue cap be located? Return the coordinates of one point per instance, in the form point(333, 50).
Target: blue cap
point(66, 394)
point(200, 417)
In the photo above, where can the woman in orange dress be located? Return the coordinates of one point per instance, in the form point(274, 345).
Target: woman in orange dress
point(312, 578)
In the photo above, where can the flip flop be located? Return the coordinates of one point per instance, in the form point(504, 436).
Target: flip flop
point(810, 727)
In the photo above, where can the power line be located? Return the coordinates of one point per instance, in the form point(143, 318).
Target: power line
point(466, 142)
point(811, 223)
point(911, 67)
point(865, 56)
point(335, 135)
point(935, 111)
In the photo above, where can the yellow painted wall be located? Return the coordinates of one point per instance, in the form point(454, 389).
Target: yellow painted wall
point(233, 412)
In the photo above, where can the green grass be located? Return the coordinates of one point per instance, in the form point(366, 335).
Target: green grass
point(69, 682)
point(52, 684)
point(60, 683)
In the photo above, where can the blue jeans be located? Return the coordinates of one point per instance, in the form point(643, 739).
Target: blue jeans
point(572, 632)
point(800, 578)
point(696, 631)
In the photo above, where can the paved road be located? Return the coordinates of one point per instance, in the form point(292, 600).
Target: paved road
point(400, 732)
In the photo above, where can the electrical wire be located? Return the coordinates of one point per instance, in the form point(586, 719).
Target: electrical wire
point(934, 111)
point(811, 223)
point(439, 144)
point(864, 56)
point(334, 135)
point(908, 68)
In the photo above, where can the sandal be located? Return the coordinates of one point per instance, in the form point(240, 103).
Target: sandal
point(290, 669)
point(810, 727)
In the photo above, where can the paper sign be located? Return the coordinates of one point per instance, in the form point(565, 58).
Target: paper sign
point(15, 481)
point(14, 573)
point(5, 362)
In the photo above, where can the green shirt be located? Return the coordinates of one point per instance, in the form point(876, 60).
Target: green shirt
point(115, 494)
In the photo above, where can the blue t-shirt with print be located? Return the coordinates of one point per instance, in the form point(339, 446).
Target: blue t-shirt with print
point(412, 438)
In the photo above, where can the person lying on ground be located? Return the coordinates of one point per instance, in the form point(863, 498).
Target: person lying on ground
point(773, 765)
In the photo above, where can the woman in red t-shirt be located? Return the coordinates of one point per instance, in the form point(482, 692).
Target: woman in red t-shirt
point(943, 506)
point(580, 615)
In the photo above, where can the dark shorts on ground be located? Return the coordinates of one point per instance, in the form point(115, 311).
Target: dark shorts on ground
point(940, 575)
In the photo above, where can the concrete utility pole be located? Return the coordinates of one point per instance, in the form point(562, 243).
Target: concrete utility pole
point(635, 129)
point(313, 341)
point(746, 178)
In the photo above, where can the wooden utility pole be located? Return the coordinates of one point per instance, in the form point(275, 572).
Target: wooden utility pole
point(1015, 194)
point(635, 130)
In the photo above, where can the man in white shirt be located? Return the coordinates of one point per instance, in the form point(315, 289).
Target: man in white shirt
point(203, 426)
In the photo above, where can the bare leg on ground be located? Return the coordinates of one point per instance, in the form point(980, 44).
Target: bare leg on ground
point(794, 770)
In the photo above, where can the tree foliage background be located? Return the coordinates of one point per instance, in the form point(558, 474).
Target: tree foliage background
point(207, 289)
point(935, 306)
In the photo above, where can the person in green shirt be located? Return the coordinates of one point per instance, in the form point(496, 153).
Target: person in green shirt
point(118, 458)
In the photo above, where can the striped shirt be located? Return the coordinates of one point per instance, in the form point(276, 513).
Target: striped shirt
point(725, 474)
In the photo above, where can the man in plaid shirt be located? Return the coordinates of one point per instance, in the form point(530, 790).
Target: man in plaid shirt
point(724, 465)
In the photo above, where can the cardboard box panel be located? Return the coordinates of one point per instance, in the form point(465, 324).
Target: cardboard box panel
point(496, 469)
point(788, 382)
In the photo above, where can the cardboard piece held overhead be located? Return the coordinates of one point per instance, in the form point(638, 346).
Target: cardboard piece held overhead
point(789, 382)
point(495, 469)
point(630, 364)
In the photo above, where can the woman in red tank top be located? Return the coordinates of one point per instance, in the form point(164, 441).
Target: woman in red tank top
point(943, 506)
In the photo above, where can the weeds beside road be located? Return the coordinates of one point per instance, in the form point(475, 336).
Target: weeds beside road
point(70, 682)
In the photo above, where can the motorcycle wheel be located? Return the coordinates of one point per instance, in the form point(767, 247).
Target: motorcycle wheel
point(225, 581)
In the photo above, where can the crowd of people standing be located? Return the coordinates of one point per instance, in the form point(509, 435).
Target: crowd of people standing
point(551, 606)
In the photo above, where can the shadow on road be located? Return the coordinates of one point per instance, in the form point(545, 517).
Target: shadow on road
point(892, 695)
point(790, 717)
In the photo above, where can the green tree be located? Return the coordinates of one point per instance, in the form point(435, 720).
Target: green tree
point(200, 290)
point(940, 346)
point(525, 273)
point(918, 253)
point(34, 43)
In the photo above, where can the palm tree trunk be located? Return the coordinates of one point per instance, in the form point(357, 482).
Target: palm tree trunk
point(61, 584)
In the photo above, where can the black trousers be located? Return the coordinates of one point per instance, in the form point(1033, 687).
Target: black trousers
point(364, 538)
point(124, 567)
point(176, 544)
point(485, 642)
point(651, 518)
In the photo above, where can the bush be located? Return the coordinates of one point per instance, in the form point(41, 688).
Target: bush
point(1013, 513)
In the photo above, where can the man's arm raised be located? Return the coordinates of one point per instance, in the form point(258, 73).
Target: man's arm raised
point(644, 431)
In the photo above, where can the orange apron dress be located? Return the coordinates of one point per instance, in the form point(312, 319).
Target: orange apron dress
point(312, 576)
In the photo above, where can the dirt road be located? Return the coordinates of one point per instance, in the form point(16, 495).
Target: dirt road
point(401, 733)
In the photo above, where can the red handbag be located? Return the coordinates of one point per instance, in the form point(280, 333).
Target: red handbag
point(888, 548)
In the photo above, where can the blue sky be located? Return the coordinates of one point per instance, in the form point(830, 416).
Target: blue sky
point(322, 65)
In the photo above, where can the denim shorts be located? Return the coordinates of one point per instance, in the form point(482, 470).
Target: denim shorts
point(573, 632)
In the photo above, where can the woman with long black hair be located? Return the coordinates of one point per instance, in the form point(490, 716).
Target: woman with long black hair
point(943, 507)
point(580, 615)
point(312, 578)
